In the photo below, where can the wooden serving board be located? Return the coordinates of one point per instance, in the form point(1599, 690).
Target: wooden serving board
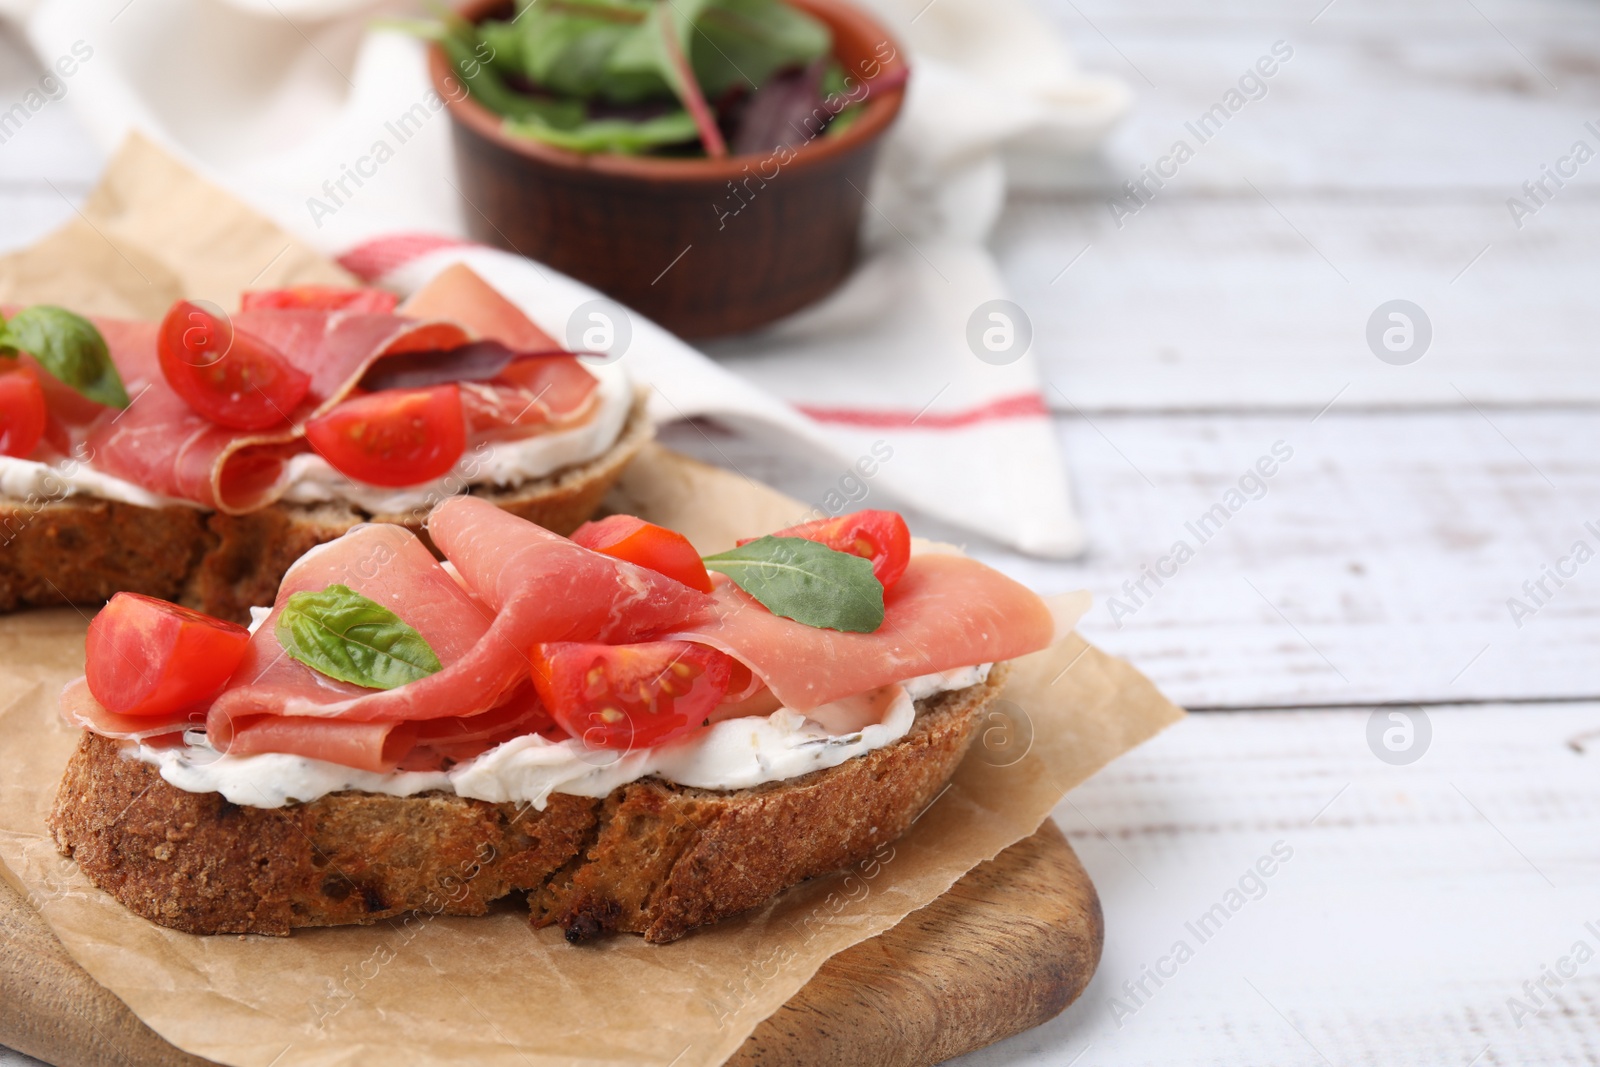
point(1008, 947)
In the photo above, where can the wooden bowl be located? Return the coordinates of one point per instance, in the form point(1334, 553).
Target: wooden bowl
point(705, 247)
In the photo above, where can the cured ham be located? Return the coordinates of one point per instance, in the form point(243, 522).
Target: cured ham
point(544, 587)
point(441, 742)
point(79, 708)
point(545, 391)
point(548, 389)
point(510, 591)
point(365, 746)
point(541, 587)
point(387, 564)
point(161, 444)
point(458, 294)
point(946, 611)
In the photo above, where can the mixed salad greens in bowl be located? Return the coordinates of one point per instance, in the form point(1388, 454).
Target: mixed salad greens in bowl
point(699, 161)
point(674, 78)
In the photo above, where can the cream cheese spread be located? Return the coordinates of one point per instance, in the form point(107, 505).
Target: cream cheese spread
point(731, 754)
point(311, 480)
point(26, 479)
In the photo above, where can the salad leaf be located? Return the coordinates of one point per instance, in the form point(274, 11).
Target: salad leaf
point(461, 48)
point(674, 34)
point(344, 635)
point(539, 69)
point(746, 42)
point(783, 113)
point(807, 582)
point(569, 47)
point(69, 347)
point(618, 135)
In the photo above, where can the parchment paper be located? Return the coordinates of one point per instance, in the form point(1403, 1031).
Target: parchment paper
point(438, 990)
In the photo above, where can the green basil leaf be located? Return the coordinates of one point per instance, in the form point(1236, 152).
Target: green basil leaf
point(806, 582)
point(346, 636)
point(69, 347)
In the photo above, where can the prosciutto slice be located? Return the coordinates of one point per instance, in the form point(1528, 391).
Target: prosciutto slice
point(946, 612)
point(384, 563)
point(79, 708)
point(532, 393)
point(458, 294)
point(366, 746)
point(543, 392)
point(539, 586)
point(160, 443)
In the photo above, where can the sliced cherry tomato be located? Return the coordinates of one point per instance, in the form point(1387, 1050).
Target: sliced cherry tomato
point(880, 536)
point(148, 657)
point(656, 547)
point(23, 413)
point(320, 298)
point(229, 375)
point(394, 437)
point(630, 696)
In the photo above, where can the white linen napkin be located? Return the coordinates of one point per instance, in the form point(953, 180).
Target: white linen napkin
point(273, 98)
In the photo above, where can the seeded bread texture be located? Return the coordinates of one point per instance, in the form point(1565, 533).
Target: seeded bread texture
point(651, 858)
point(81, 550)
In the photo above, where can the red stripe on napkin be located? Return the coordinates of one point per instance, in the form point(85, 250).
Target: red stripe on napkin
point(1020, 406)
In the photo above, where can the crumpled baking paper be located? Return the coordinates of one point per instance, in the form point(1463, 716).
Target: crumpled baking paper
point(434, 990)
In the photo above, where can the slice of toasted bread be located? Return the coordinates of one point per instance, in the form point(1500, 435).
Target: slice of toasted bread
point(81, 550)
point(650, 858)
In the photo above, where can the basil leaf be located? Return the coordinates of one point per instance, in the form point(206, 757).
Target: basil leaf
point(346, 636)
point(806, 582)
point(70, 348)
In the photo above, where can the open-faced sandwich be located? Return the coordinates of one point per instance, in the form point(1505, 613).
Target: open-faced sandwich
point(195, 459)
point(638, 739)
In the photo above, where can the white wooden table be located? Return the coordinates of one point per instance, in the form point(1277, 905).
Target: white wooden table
point(1228, 315)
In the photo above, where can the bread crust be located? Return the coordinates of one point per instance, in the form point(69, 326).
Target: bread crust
point(81, 550)
point(650, 858)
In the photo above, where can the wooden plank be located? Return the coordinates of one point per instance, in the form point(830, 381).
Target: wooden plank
point(1377, 566)
point(1377, 165)
point(1008, 947)
point(1217, 303)
point(1409, 100)
point(1414, 904)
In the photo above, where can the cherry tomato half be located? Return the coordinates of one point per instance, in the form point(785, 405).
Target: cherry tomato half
point(320, 298)
point(393, 437)
point(148, 657)
point(230, 376)
point(23, 413)
point(880, 536)
point(655, 547)
point(630, 696)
